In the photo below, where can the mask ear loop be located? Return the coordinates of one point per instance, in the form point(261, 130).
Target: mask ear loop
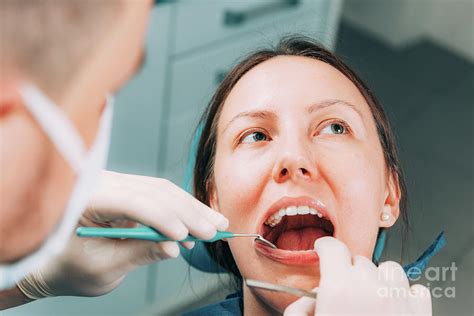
point(56, 125)
point(379, 246)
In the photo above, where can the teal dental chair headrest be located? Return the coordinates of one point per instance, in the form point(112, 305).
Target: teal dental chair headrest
point(198, 257)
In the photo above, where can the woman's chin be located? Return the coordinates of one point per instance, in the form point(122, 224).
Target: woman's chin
point(278, 301)
point(275, 301)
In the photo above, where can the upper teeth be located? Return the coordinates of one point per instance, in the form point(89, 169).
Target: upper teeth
point(274, 219)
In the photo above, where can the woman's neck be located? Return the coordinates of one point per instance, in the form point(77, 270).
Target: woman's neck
point(254, 306)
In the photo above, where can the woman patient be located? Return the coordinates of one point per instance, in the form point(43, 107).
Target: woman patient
point(295, 147)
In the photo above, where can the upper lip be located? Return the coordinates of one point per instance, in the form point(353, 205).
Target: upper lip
point(296, 201)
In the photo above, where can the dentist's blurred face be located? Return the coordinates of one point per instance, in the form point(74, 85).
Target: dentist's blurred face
point(36, 181)
point(296, 135)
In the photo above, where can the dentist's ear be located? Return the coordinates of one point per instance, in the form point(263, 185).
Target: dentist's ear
point(10, 99)
point(391, 208)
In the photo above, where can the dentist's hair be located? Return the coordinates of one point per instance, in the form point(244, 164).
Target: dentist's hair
point(48, 40)
point(289, 46)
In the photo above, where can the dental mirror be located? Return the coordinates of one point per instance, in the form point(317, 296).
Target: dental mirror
point(262, 240)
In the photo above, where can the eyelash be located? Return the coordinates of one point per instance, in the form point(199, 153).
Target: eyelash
point(250, 132)
point(347, 129)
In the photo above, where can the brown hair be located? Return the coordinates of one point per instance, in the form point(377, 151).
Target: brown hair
point(206, 150)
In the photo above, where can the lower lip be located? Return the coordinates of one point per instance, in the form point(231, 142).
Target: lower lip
point(299, 258)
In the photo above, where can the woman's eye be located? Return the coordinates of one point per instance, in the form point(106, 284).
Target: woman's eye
point(254, 137)
point(334, 128)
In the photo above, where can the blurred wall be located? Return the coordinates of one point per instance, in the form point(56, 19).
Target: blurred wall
point(401, 22)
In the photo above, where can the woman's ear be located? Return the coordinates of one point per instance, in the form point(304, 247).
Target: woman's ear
point(391, 208)
point(213, 200)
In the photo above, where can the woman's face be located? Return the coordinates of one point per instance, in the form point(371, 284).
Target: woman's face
point(296, 136)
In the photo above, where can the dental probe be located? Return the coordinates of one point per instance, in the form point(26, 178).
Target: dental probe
point(147, 233)
point(279, 288)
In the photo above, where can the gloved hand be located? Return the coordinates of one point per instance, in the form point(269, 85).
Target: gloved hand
point(359, 287)
point(95, 266)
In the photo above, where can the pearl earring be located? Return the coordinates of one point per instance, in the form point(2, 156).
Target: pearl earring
point(385, 217)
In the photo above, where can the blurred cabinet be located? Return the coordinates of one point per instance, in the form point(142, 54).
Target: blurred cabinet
point(139, 105)
point(211, 36)
point(216, 21)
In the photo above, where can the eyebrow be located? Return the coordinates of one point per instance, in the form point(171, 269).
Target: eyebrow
point(310, 109)
point(326, 103)
point(252, 114)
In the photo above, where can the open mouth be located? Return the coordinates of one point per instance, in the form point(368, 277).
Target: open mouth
point(293, 225)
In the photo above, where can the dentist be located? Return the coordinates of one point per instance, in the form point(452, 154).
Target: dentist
point(60, 63)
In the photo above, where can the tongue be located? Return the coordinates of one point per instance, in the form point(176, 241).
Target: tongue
point(300, 239)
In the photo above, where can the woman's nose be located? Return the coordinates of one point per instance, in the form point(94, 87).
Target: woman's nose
point(294, 167)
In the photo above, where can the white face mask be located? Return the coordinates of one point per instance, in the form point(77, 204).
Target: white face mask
point(86, 165)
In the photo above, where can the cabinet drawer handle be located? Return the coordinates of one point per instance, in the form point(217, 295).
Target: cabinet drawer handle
point(238, 17)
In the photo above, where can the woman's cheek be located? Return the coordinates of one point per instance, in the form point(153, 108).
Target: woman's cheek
point(243, 177)
point(238, 191)
point(360, 201)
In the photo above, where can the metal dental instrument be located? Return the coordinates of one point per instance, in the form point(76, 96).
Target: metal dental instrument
point(147, 233)
point(262, 240)
point(279, 288)
point(258, 238)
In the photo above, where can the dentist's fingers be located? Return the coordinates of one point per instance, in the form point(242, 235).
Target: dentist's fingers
point(153, 202)
point(393, 273)
point(216, 218)
point(421, 300)
point(364, 263)
point(301, 307)
point(200, 220)
point(364, 266)
point(121, 197)
point(145, 211)
point(196, 224)
point(188, 244)
point(204, 211)
point(334, 258)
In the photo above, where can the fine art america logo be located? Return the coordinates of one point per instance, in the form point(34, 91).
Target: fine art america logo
point(437, 280)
